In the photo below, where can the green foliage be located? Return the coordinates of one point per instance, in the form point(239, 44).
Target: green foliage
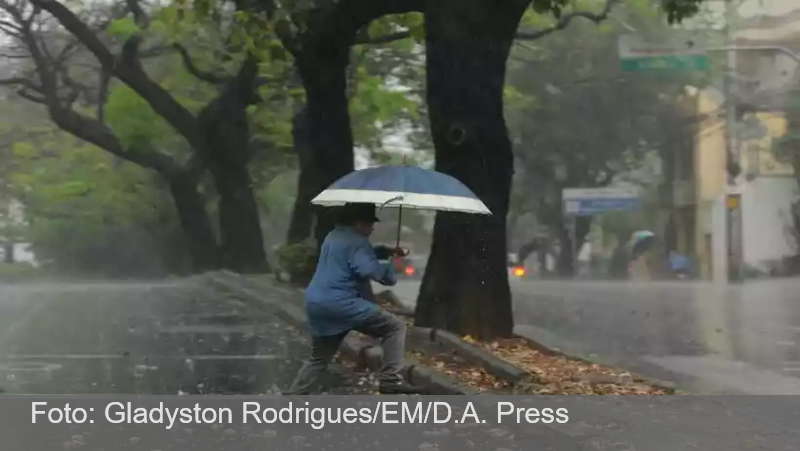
point(123, 28)
point(87, 214)
point(136, 124)
point(677, 10)
point(299, 260)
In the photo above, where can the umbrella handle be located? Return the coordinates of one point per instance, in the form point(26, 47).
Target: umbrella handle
point(399, 225)
point(390, 201)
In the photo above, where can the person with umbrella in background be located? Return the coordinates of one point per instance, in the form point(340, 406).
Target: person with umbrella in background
point(338, 300)
point(641, 243)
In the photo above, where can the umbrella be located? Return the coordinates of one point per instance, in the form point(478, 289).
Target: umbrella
point(642, 241)
point(642, 234)
point(402, 186)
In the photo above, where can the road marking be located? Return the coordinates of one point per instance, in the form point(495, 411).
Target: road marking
point(785, 343)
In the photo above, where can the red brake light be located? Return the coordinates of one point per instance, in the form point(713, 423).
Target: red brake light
point(519, 271)
point(409, 271)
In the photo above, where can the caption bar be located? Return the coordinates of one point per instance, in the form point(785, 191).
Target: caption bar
point(397, 412)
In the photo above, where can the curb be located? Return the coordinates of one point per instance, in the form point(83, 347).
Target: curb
point(498, 367)
point(670, 387)
point(476, 355)
point(365, 353)
point(452, 342)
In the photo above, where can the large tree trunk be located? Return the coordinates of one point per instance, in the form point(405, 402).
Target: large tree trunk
point(240, 228)
point(302, 213)
point(465, 288)
point(227, 150)
point(323, 69)
point(195, 222)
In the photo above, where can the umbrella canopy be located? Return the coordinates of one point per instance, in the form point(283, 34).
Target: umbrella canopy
point(643, 241)
point(404, 187)
point(642, 234)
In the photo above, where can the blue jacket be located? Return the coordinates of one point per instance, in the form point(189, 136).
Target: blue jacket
point(336, 297)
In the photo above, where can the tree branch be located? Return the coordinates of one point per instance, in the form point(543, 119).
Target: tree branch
point(385, 39)
point(200, 74)
point(31, 97)
point(129, 72)
point(102, 95)
point(63, 116)
point(20, 81)
point(565, 20)
point(130, 49)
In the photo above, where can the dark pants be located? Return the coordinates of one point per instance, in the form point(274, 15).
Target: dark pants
point(383, 325)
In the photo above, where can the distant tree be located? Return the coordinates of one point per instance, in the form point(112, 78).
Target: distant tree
point(581, 122)
point(218, 130)
point(49, 77)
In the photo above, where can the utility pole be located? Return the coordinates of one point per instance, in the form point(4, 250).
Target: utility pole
point(732, 264)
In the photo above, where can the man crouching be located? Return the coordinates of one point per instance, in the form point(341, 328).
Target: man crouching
point(336, 302)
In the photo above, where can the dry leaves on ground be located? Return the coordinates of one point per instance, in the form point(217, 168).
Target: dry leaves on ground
point(464, 372)
point(558, 375)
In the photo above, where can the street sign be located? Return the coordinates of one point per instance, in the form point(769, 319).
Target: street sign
point(592, 201)
point(675, 52)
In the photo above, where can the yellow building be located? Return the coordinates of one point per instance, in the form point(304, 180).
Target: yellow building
point(698, 192)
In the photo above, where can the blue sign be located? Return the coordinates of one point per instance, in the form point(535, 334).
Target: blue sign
point(588, 207)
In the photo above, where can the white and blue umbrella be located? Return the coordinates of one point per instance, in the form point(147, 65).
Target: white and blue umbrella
point(402, 187)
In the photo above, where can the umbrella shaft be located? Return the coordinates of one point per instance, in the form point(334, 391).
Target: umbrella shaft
point(399, 224)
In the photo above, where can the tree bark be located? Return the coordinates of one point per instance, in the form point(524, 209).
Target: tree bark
point(227, 150)
point(465, 288)
point(323, 68)
point(195, 222)
point(303, 213)
point(240, 228)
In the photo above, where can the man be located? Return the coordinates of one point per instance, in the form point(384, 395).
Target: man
point(337, 302)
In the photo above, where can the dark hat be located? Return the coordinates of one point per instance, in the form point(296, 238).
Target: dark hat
point(358, 212)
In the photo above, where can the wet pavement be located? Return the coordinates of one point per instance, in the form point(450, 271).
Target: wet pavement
point(140, 338)
point(705, 337)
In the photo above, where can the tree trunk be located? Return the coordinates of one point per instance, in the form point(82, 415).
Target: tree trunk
point(240, 228)
point(323, 69)
point(566, 261)
point(8, 253)
point(302, 213)
point(196, 225)
point(465, 288)
point(227, 149)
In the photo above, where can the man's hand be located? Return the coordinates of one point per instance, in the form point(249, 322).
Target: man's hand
point(386, 252)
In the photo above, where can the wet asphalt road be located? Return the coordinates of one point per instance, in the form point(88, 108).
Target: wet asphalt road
point(707, 338)
point(141, 338)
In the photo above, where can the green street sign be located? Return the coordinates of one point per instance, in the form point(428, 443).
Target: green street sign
point(676, 52)
point(682, 63)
